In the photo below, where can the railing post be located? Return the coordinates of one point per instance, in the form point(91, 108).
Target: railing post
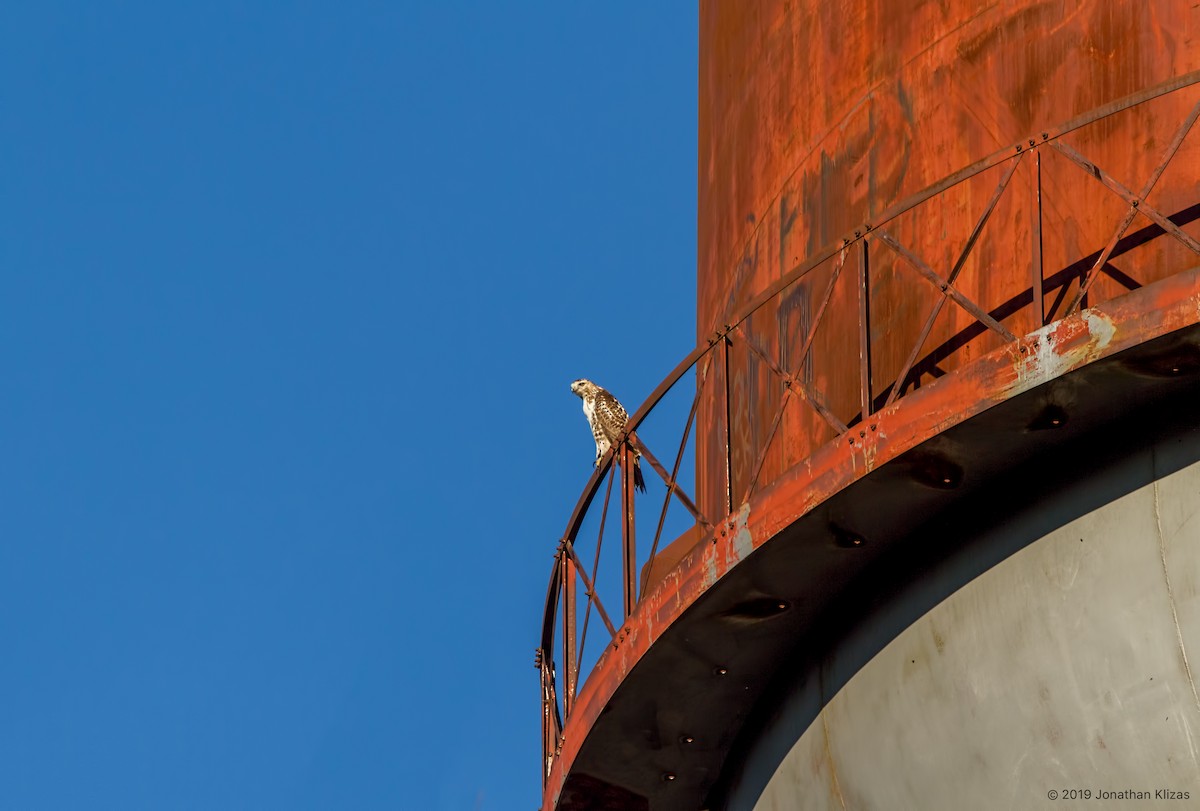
point(728, 427)
point(551, 723)
point(570, 662)
point(1039, 304)
point(549, 734)
point(628, 539)
point(864, 328)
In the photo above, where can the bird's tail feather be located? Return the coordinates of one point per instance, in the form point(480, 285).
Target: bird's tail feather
point(638, 481)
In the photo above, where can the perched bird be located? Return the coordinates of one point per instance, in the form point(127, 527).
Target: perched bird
point(607, 419)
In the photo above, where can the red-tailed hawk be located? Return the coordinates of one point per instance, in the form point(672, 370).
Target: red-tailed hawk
point(607, 419)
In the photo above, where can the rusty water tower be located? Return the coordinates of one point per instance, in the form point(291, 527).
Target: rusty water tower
point(945, 421)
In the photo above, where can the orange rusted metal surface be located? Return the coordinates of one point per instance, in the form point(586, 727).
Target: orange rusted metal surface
point(1039, 358)
point(816, 116)
point(890, 195)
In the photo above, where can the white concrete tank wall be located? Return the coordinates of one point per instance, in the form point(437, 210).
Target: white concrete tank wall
point(1069, 666)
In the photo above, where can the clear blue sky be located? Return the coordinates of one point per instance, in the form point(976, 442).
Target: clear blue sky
point(292, 297)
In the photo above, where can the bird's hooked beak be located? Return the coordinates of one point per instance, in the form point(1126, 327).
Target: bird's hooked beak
point(575, 388)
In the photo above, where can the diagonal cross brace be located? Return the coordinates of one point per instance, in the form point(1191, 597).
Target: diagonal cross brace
point(672, 486)
point(1128, 196)
point(947, 289)
point(1135, 203)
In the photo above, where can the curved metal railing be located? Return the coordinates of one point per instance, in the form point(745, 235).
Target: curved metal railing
point(561, 628)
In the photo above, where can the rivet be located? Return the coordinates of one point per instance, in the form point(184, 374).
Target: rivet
point(1052, 416)
point(668, 777)
point(686, 739)
point(719, 671)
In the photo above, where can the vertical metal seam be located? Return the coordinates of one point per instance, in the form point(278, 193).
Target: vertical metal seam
point(1162, 554)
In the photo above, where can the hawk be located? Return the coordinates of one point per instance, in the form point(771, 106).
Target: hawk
point(607, 418)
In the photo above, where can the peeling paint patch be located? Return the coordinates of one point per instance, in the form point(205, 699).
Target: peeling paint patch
point(1051, 353)
point(743, 543)
point(710, 570)
point(869, 449)
point(1041, 363)
point(1102, 330)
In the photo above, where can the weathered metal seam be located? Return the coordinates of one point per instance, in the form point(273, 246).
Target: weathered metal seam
point(1187, 667)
